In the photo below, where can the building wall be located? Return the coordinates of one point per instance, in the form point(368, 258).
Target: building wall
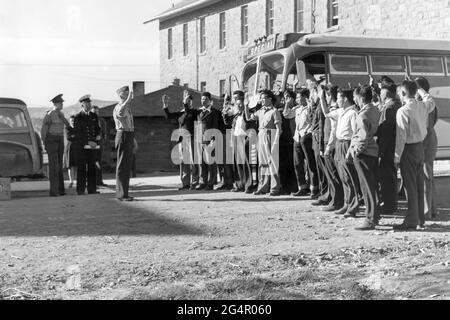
point(387, 18)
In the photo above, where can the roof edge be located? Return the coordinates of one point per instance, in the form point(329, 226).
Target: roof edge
point(182, 10)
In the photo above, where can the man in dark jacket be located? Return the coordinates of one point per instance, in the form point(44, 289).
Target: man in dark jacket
point(186, 118)
point(87, 133)
point(211, 119)
point(387, 170)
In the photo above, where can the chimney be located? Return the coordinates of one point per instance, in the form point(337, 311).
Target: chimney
point(176, 82)
point(139, 88)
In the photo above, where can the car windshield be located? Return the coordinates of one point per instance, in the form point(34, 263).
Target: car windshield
point(12, 118)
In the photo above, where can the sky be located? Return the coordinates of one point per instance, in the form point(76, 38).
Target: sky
point(77, 47)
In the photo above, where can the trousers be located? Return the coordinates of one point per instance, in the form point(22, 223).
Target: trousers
point(55, 150)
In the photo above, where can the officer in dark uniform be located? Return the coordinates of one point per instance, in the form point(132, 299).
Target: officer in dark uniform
point(52, 135)
point(87, 133)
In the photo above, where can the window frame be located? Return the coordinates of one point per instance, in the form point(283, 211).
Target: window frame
point(185, 39)
point(202, 35)
point(387, 73)
point(356, 73)
point(222, 30)
point(296, 15)
point(330, 17)
point(270, 17)
point(170, 52)
point(432, 74)
point(224, 82)
point(244, 25)
point(203, 85)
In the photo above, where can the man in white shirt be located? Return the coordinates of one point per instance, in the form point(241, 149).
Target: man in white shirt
point(412, 129)
point(346, 124)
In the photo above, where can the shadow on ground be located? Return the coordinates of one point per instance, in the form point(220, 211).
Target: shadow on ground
point(96, 215)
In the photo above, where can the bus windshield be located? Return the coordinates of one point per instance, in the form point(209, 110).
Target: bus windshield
point(270, 76)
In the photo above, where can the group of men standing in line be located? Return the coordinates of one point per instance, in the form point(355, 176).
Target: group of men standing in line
point(340, 146)
point(85, 133)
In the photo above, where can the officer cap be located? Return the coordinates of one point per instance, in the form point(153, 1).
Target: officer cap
point(123, 89)
point(57, 99)
point(86, 98)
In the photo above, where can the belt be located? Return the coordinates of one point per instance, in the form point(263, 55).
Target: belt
point(342, 140)
point(414, 144)
point(128, 131)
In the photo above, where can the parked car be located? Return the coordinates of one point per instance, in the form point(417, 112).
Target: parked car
point(21, 152)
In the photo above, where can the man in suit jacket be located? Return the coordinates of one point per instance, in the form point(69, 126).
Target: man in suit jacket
point(387, 172)
point(210, 119)
point(87, 133)
point(186, 118)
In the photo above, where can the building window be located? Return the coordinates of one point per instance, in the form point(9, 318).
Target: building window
point(202, 35)
point(203, 86)
point(170, 44)
point(185, 39)
point(333, 13)
point(269, 17)
point(299, 15)
point(222, 84)
point(244, 25)
point(223, 30)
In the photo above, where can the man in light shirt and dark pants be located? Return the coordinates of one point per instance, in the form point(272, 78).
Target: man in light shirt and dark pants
point(124, 121)
point(412, 123)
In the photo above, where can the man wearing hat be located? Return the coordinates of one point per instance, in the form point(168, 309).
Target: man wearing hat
point(125, 137)
point(52, 135)
point(87, 139)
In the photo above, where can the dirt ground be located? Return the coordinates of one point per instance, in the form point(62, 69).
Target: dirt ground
point(191, 245)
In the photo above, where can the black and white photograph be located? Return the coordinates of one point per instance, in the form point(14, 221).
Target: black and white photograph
point(224, 155)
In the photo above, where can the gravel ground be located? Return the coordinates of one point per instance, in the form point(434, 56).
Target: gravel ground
point(172, 245)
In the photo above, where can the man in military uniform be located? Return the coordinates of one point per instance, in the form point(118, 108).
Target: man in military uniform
point(52, 135)
point(125, 137)
point(102, 124)
point(87, 133)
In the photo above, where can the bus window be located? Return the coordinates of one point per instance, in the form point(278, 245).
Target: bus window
point(426, 66)
point(448, 65)
point(272, 68)
point(348, 64)
point(249, 77)
point(389, 65)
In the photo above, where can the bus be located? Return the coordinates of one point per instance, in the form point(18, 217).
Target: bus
point(21, 152)
point(348, 61)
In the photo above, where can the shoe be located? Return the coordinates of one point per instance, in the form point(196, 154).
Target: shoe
point(259, 193)
point(185, 188)
point(80, 193)
point(201, 187)
point(251, 190)
point(319, 203)
point(330, 209)
point(96, 192)
point(366, 227)
point(223, 188)
point(209, 188)
point(341, 212)
point(302, 193)
point(349, 215)
point(71, 185)
point(102, 185)
point(54, 195)
point(404, 227)
point(129, 199)
point(236, 190)
point(193, 188)
point(63, 194)
point(421, 228)
point(275, 194)
point(315, 196)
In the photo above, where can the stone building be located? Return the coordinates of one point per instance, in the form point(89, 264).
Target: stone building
point(203, 42)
